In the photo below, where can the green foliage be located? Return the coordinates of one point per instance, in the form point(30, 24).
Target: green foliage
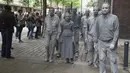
point(36, 3)
point(56, 1)
point(92, 4)
point(25, 2)
point(67, 3)
point(8, 1)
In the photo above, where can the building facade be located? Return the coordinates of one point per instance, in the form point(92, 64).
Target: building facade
point(122, 9)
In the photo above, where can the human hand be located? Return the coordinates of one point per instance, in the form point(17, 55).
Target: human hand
point(112, 46)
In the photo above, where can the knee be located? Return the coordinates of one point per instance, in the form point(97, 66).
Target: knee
point(102, 59)
point(113, 61)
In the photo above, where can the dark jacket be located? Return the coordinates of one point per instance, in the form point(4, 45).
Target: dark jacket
point(7, 20)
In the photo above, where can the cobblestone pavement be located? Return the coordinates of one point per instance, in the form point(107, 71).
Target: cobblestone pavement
point(30, 55)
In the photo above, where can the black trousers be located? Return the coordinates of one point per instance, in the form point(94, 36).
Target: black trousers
point(38, 31)
point(19, 31)
point(6, 43)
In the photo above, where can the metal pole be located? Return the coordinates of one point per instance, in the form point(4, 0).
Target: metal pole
point(126, 50)
point(111, 6)
point(28, 6)
point(81, 6)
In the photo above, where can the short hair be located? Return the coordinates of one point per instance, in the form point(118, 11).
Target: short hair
point(51, 8)
point(106, 3)
point(7, 7)
point(20, 10)
point(66, 13)
point(37, 13)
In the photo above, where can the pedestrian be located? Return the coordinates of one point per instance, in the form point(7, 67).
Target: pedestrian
point(92, 55)
point(67, 9)
point(42, 24)
point(107, 33)
point(30, 25)
point(77, 29)
point(7, 23)
point(51, 28)
point(84, 20)
point(20, 25)
point(38, 26)
point(67, 38)
point(58, 46)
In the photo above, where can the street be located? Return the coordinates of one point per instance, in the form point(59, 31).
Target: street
point(30, 55)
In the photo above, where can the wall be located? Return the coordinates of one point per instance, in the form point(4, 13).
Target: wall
point(122, 9)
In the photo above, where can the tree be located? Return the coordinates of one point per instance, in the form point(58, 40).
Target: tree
point(50, 2)
point(70, 3)
point(57, 2)
point(25, 2)
point(36, 3)
point(76, 3)
point(8, 1)
point(44, 8)
point(92, 4)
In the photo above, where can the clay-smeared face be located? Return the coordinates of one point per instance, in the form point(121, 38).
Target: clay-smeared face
point(74, 10)
point(51, 11)
point(105, 8)
point(59, 14)
point(95, 11)
point(67, 17)
point(87, 12)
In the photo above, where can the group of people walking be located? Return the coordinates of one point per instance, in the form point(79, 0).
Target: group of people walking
point(99, 31)
point(19, 20)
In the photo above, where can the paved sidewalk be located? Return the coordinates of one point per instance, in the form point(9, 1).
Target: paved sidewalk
point(30, 55)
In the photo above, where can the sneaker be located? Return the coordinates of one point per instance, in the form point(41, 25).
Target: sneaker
point(12, 48)
point(90, 64)
point(50, 61)
point(76, 55)
point(95, 65)
point(10, 57)
point(46, 60)
point(20, 41)
point(58, 55)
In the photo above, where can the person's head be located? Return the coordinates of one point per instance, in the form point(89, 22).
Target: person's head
point(68, 9)
point(79, 13)
point(95, 11)
point(105, 8)
point(74, 9)
point(51, 11)
point(7, 8)
point(20, 11)
point(58, 13)
point(67, 17)
point(87, 12)
point(37, 14)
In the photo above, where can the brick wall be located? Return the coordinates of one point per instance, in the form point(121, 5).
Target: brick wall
point(122, 9)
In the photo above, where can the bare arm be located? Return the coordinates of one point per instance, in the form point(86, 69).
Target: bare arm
point(116, 32)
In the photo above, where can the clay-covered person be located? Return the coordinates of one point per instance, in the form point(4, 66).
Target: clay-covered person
point(58, 45)
point(107, 33)
point(92, 55)
point(51, 28)
point(67, 34)
point(67, 9)
point(84, 20)
point(77, 29)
